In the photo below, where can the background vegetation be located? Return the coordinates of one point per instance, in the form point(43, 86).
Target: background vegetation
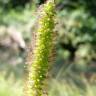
point(73, 74)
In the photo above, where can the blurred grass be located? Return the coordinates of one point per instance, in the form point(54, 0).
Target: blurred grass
point(9, 87)
point(62, 87)
point(70, 89)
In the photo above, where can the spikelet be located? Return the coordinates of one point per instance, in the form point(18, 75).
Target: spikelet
point(42, 52)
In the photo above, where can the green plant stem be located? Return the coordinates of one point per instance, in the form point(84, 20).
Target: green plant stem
point(38, 69)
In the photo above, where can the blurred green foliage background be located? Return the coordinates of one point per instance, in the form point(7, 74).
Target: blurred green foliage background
point(73, 74)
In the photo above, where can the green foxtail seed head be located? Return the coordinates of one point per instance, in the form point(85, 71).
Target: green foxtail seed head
point(38, 58)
